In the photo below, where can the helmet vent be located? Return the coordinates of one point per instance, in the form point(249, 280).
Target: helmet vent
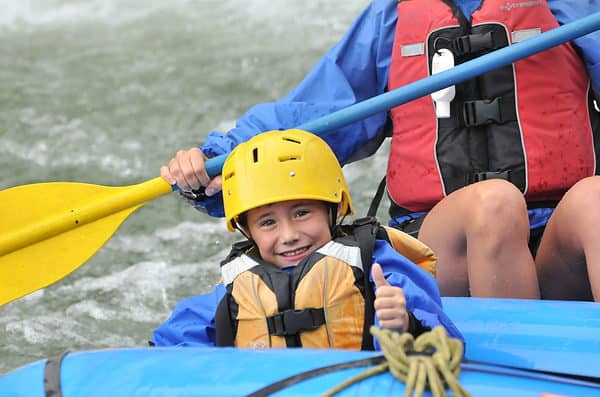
point(291, 140)
point(255, 155)
point(229, 175)
point(289, 157)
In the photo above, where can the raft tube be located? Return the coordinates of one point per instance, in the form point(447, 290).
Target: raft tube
point(511, 348)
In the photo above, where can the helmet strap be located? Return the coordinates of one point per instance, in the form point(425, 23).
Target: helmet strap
point(241, 230)
point(333, 216)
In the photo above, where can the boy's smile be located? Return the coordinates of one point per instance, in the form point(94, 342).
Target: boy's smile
point(287, 232)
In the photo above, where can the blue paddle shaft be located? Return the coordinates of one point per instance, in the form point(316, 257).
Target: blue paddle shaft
point(457, 74)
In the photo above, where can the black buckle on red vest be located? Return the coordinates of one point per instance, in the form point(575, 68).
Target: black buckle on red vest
point(473, 43)
point(482, 112)
point(484, 176)
point(290, 322)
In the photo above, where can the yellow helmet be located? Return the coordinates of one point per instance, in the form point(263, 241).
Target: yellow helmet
point(279, 166)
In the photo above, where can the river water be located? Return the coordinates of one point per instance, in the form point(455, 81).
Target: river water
point(105, 91)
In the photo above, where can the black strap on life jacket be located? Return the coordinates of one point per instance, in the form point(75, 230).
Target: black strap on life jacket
point(365, 231)
point(292, 322)
point(474, 43)
point(498, 110)
point(372, 212)
point(480, 112)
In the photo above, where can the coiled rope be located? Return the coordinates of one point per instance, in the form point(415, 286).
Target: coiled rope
point(430, 362)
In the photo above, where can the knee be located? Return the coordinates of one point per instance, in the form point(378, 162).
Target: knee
point(584, 198)
point(496, 204)
point(586, 192)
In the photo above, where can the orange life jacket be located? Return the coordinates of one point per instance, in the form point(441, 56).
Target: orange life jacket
point(324, 302)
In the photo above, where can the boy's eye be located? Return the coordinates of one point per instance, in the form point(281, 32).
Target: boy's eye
point(266, 222)
point(302, 212)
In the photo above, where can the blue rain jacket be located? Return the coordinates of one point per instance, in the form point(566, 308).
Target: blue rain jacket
point(192, 322)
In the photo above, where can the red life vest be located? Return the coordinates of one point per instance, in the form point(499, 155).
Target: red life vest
point(528, 122)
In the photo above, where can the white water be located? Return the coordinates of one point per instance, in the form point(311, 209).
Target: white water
point(105, 91)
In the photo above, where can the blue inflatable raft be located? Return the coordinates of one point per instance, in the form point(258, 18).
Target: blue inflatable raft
point(513, 348)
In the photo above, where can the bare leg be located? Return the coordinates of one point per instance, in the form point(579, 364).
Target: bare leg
point(480, 235)
point(568, 259)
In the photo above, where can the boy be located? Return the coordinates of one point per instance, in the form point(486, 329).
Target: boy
point(300, 278)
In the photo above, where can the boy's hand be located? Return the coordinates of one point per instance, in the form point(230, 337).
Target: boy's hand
point(390, 303)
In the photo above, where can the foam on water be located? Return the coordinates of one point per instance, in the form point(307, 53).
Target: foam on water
point(46, 329)
point(105, 91)
point(116, 309)
point(29, 14)
point(19, 14)
point(139, 289)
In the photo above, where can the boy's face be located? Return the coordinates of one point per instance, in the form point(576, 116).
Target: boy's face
point(289, 231)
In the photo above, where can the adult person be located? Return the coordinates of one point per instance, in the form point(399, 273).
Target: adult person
point(479, 177)
point(301, 279)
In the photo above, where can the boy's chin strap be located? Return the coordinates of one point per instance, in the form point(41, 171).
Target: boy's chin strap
point(243, 231)
point(332, 208)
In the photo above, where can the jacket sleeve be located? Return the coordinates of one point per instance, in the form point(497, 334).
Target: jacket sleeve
point(192, 322)
point(420, 288)
point(355, 69)
point(567, 11)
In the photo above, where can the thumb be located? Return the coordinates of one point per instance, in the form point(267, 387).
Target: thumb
point(377, 274)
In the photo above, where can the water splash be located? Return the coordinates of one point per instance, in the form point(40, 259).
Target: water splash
point(104, 91)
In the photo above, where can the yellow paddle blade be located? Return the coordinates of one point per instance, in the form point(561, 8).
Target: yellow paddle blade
point(48, 230)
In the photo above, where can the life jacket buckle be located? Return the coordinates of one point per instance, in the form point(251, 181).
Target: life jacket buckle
point(482, 112)
point(484, 176)
point(473, 43)
point(291, 322)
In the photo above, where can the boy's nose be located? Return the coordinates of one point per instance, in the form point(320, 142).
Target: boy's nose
point(289, 234)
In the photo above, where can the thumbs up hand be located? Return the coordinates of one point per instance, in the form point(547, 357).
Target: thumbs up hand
point(390, 303)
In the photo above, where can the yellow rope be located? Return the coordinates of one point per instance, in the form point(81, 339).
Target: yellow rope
point(431, 362)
